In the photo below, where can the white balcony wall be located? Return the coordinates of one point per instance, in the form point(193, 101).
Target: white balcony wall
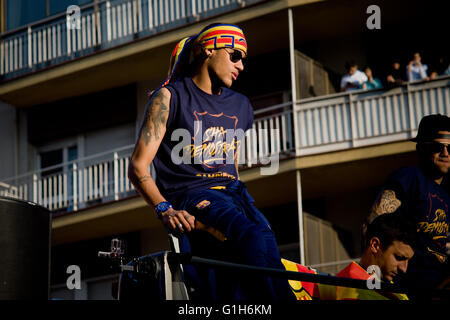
point(102, 24)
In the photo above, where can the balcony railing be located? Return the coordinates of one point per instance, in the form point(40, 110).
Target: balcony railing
point(311, 126)
point(345, 120)
point(102, 25)
point(76, 184)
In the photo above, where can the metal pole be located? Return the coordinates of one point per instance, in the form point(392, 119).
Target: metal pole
point(296, 134)
point(300, 219)
point(186, 258)
point(75, 186)
point(293, 79)
point(116, 176)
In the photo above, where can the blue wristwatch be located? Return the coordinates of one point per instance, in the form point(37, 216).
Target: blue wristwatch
point(162, 207)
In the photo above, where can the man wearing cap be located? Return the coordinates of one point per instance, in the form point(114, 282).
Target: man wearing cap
point(417, 193)
point(192, 132)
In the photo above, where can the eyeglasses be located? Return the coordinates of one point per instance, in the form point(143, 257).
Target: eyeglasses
point(436, 147)
point(237, 55)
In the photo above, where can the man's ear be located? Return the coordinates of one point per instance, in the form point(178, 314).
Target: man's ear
point(375, 245)
point(208, 52)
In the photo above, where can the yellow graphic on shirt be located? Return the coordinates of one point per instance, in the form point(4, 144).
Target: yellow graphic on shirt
point(216, 175)
point(215, 147)
point(438, 226)
point(218, 145)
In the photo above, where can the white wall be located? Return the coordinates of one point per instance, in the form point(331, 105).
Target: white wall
point(108, 139)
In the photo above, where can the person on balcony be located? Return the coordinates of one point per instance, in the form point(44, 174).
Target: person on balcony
point(395, 77)
point(354, 79)
point(438, 68)
point(199, 197)
point(372, 83)
point(417, 192)
point(388, 249)
point(415, 70)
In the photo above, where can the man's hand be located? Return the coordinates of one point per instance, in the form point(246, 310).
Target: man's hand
point(178, 220)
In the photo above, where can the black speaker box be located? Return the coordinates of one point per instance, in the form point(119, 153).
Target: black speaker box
point(25, 232)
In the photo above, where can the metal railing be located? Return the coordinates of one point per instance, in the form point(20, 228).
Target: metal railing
point(345, 120)
point(368, 117)
point(313, 126)
point(76, 184)
point(102, 24)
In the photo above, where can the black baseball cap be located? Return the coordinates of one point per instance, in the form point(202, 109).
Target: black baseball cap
point(429, 127)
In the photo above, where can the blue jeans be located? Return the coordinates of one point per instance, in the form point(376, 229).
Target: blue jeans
point(250, 240)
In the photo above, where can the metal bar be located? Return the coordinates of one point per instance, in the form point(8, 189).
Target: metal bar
point(108, 21)
point(74, 189)
point(82, 34)
point(98, 29)
point(7, 69)
point(92, 182)
point(69, 41)
point(300, 218)
point(60, 191)
point(284, 274)
point(293, 79)
point(129, 19)
point(150, 14)
point(106, 183)
point(116, 176)
point(44, 45)
point(85, 185)
point(100, 179)
point(139, 12)
point(2, 56)
point(87, 32)
point(65, 190)
point(35, 189)
point(59, 42)
point(121, 176)
point(53, 33)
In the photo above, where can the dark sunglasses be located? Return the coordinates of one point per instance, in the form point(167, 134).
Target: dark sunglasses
point(236, 55)
point(436, 147)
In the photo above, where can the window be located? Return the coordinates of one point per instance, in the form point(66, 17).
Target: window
point(49, 159)
point(56, 183)
point(57, 157)
point(58, 6)
point(22, 12)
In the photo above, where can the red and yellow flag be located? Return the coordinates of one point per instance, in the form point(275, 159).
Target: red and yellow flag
point(302, 290)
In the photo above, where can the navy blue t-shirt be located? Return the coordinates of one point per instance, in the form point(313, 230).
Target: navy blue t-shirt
point(207, 130)
point(426, 202)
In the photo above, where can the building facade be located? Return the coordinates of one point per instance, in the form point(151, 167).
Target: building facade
point(74, 79)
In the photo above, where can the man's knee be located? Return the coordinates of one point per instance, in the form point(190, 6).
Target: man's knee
point(257, 243)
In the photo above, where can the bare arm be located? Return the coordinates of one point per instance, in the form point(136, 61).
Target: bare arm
point(151, 134)
point(386, 202)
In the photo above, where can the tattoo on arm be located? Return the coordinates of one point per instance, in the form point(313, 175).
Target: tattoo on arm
point(155, 118)
point(144, 178)
point(386, 203)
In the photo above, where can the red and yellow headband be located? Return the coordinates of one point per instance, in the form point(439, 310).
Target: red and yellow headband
point(215, 37)
point(221, 36)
